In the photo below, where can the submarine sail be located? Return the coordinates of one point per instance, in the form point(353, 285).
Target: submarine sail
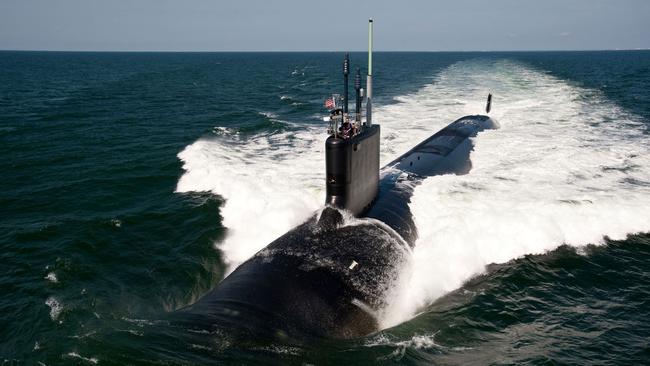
point(352, 157)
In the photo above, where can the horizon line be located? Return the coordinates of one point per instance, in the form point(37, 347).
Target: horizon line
point(326, 51)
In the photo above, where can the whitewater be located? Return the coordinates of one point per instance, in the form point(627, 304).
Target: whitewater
point(567, 167)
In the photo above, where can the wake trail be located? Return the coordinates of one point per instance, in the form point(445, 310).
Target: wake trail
point(566, 167)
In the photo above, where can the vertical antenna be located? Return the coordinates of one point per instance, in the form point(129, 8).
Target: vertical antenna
point(346, 71)
point(488, 106)
point(357, 89)
point(369, 78)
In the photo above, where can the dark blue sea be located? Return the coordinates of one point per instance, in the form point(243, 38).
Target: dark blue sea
point(132, 183)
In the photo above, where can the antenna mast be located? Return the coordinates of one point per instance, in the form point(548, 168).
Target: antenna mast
point(369, 78)
point(357, 89)
point(346, 72)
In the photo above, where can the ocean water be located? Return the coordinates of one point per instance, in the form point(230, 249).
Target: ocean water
point(132, 183)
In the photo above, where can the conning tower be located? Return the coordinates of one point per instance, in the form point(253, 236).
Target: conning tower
point(352, 149)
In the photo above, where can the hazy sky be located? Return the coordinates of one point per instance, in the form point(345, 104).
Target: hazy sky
point(294, 25)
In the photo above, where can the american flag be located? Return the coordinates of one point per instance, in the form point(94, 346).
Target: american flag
point(329, 103)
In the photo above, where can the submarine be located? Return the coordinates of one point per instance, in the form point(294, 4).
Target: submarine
point(331, 276)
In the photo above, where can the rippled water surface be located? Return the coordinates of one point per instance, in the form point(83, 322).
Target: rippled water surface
point(133, 182)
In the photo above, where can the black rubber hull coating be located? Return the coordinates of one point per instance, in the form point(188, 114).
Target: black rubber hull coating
point(329, 276)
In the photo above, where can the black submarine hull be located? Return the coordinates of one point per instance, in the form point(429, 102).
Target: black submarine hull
point(329, 276)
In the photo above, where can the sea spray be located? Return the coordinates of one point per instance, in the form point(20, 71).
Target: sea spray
point(555, 173)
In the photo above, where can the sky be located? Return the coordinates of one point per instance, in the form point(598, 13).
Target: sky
point(326, 25)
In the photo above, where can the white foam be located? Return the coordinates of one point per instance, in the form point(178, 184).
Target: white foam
point(562, 169)
point(559, 171)
point(271, 183)
point(55, 307)
point(52, 277)
point(416, 342)
point(92, 360)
